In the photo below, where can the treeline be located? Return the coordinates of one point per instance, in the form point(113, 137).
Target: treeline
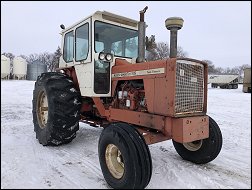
point(237, 70)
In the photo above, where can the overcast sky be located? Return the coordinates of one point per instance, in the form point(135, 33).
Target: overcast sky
point(217, 31)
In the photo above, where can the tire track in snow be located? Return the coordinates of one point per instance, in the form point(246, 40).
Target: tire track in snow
point(83, 160)
point(78, 169)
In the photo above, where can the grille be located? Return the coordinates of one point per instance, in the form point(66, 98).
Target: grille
point(189, 96)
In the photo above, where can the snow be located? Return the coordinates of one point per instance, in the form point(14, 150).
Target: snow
point(27, 164)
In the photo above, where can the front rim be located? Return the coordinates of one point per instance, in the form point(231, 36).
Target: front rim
point(114, 161)
point(193, 146)
point(42, 109)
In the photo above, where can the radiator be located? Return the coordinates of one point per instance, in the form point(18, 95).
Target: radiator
point(189, 92)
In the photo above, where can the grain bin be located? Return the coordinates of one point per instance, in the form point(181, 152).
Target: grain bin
point(19, 68)
point(35, 69)
point(5, 67)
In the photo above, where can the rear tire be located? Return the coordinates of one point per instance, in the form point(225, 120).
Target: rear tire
point(124, 157)
point(202, 151)
point(235, 86)
point(56, 109)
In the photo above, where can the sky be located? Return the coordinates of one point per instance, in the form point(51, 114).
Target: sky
point(219, 31)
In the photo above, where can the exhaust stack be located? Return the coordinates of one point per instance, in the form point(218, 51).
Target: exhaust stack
point(141, 37)
point(173, 24)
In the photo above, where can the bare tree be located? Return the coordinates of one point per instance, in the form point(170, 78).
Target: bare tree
point(219, 70)
point(181, 53)
point(47, 59)
point(24, 57)
point(244, 66)
point(161, 50)
point(30, 58)
point(211, 67)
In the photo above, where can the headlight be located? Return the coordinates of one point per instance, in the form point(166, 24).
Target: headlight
point(101, 56)
point(109, 57)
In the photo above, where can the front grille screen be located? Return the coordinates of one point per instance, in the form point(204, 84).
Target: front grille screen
point(189, 96)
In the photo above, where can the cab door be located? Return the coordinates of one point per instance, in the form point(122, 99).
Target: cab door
point(82, 57)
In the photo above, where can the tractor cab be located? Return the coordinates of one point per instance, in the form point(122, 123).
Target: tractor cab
point(92, 45)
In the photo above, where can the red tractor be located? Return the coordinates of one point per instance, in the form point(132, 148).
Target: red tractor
point(104, 80)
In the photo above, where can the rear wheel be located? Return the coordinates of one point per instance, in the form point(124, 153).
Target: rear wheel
point(56, 108)
point(235, 86)
point(124, 157)
point(202, 151)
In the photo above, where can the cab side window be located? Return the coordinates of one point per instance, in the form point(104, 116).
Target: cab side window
point(81, 42)
point(68, 49)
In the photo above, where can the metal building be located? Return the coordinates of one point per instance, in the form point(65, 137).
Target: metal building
point(35, 69)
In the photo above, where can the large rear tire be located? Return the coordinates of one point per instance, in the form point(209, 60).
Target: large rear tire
point(202, 151)
point(124, 157)
point(56, 109)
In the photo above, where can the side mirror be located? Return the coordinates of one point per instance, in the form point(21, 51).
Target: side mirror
point(62, 26)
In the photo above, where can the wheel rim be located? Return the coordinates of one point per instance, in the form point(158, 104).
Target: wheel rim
point(114, 161)
point(42, 109)
point(193, 146)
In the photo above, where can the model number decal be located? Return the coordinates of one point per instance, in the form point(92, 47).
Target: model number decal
point(139, 73)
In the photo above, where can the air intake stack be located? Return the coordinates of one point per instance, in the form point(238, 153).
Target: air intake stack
point(173, 24)
point(141, 37)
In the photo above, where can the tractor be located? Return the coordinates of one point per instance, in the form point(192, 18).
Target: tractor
point(104, 80)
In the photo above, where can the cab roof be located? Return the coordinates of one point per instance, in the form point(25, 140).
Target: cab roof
point(104, 15)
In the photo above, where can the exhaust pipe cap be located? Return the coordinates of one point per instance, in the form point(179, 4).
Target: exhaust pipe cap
point(174, 23)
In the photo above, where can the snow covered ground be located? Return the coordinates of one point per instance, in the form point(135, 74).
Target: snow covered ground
point(27, 164)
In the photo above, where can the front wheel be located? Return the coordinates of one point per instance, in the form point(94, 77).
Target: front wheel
point(202, 151)
point(124, 157)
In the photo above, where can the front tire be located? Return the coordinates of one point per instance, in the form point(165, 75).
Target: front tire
point(202, 151)
point(56, 109)
point(124, 157)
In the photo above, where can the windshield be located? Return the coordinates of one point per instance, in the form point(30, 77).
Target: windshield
point(120, 41)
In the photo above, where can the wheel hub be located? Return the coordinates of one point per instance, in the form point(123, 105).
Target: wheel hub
point(114, 161)
point(193, 146)
point(42, 109)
